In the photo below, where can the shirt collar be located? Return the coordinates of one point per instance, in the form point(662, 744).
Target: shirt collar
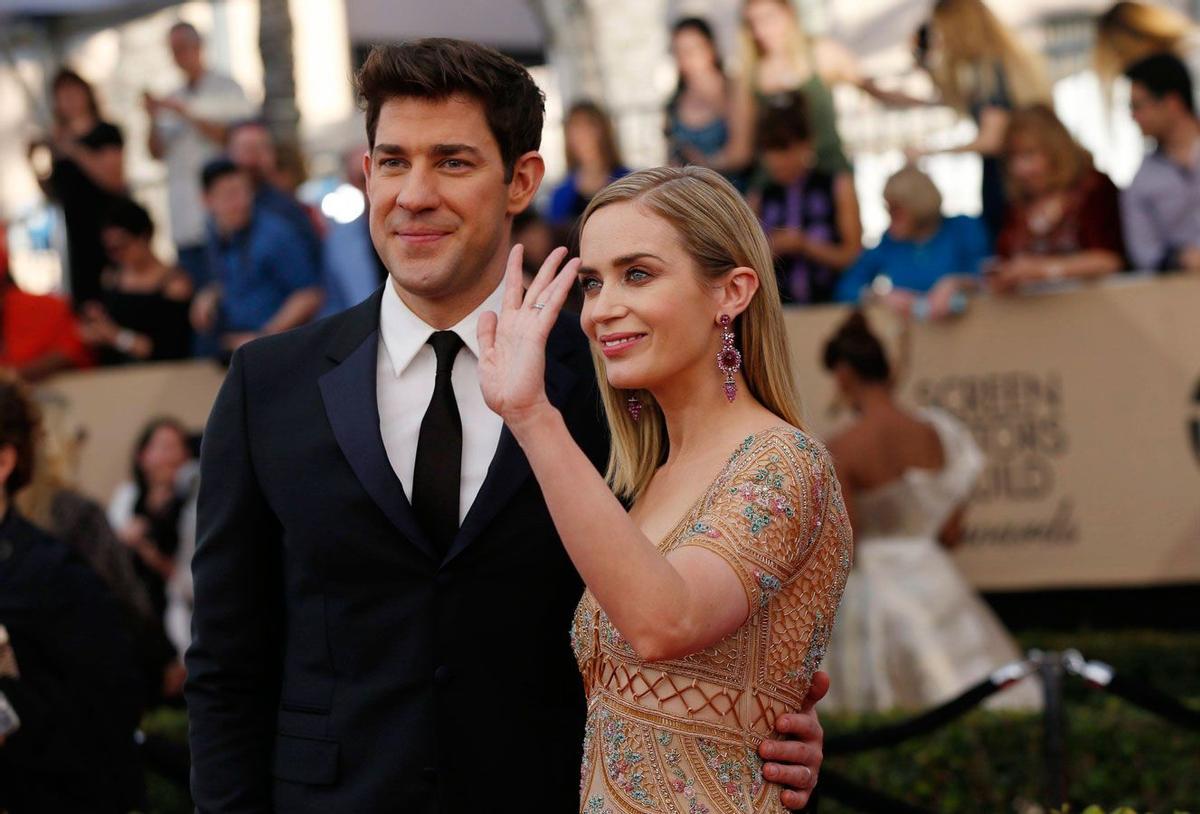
point(404, 333)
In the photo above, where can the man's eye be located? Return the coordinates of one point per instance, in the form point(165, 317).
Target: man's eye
point(455, 164)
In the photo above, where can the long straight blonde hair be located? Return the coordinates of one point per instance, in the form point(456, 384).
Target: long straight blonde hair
point(973, 40)
point(720, 233)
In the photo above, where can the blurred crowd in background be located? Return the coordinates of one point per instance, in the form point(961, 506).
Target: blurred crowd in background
point(252, 258)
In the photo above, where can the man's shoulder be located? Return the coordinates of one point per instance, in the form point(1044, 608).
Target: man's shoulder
point(335, 334)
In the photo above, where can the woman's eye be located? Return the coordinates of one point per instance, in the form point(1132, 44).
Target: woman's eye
point(637, 275)
point(589, 284)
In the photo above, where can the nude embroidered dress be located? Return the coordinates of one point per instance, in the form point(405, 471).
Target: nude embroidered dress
point(682, 736)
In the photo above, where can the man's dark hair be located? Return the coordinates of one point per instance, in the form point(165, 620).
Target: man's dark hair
point(783, 123)
point(217, 169)
point(1164, 75)
point(128, 216)
point(256, 122)
point(437, 68)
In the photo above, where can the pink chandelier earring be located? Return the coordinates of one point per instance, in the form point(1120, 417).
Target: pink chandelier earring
point(634, 405)
point(729, 360)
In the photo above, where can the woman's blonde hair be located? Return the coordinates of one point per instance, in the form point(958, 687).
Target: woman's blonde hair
point(1129, 32)
point(799, 46)
point(975, 46)
point(916, 192)
point(1067, 158)
point(720, 233)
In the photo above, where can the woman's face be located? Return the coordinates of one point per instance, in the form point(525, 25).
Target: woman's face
point(771, 24)
point(583, 139)
point(694, 54)
point(123, 248)
point(1029, 165)
point(644, 305)
point(71, 100)
point(164, 454)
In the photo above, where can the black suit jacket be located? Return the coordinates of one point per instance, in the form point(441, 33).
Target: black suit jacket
point(79, 692)
point(339, 664)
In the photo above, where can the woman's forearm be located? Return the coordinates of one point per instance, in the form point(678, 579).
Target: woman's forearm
point(645, 597)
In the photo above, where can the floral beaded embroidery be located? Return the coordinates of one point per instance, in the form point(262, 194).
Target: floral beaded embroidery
point(622, 762)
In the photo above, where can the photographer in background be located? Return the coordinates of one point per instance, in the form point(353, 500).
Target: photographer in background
point(68, 676)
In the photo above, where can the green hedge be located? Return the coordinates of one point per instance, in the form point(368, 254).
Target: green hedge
point(991, 761)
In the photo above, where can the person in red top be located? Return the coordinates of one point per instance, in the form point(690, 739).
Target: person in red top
point(38, 333)
point(1063, 219)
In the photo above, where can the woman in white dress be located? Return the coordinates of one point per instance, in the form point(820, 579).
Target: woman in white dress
point(911, 633)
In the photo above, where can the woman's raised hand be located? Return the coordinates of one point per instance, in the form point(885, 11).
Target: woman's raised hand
point(512, 344)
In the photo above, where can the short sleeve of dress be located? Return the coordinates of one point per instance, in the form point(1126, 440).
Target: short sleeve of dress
point(764, 512)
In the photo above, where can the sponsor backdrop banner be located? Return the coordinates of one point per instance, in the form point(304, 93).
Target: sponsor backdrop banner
point(1086, 403)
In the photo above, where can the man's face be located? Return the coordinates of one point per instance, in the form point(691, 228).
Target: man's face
point(252, 148)
point(230, 201)
point(1152, 115)
point(438, 199)
point(186, 50)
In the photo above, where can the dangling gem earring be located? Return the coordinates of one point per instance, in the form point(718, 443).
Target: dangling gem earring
point(729, 360)
point(634, 405)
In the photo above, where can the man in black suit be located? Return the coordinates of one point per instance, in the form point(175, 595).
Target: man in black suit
point(356, 650)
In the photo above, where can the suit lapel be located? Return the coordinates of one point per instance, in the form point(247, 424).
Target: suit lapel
point(348, 391)
point(510, 467)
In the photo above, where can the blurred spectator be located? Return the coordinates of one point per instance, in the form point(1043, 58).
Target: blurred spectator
point(911, 632)
point(593, 161)
point(810, 217)
point(187, 130)
point(74, 686)
point(252, 148)
point(1063, 220)
point(38, 333)
point(265, 279)
point(709, 117)
point(352, 269)
point(291, 171)
point(781, 60)
point(1161, 207)
point(51, 502)
point(149, 515)
point(980, 69)
point(1129, 32)
point(86, 175)
point(142, 314)
point(922, 253)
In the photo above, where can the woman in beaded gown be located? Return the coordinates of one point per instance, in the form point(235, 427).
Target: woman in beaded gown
point(710, 601)
point(912, 632)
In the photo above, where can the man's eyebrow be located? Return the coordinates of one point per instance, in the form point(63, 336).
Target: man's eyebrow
point(624, 260)
point(389, 149)
point(455, 149)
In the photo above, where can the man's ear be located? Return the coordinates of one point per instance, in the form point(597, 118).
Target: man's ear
point(366, 162)
point(734, 293)
point(527, 175)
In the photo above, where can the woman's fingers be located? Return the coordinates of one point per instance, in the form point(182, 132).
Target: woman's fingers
point(557, 292)
point(545, 276)
point(514, 282)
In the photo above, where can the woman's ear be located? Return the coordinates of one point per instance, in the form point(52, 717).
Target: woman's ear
point(735, 292)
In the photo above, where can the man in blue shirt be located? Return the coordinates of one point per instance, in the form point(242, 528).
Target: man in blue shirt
point(1160, 209)
point(264, 278)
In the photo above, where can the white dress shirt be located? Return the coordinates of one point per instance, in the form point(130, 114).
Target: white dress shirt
point(404, 378)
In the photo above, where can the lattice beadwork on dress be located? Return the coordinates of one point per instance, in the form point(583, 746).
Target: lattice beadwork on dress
point(682, 735)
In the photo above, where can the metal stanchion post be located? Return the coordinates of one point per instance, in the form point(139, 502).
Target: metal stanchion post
point(1054, 722)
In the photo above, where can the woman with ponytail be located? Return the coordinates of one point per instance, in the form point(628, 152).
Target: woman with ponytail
point(912, 633)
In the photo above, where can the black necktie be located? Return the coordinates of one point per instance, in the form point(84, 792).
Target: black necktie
point(439, 451)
